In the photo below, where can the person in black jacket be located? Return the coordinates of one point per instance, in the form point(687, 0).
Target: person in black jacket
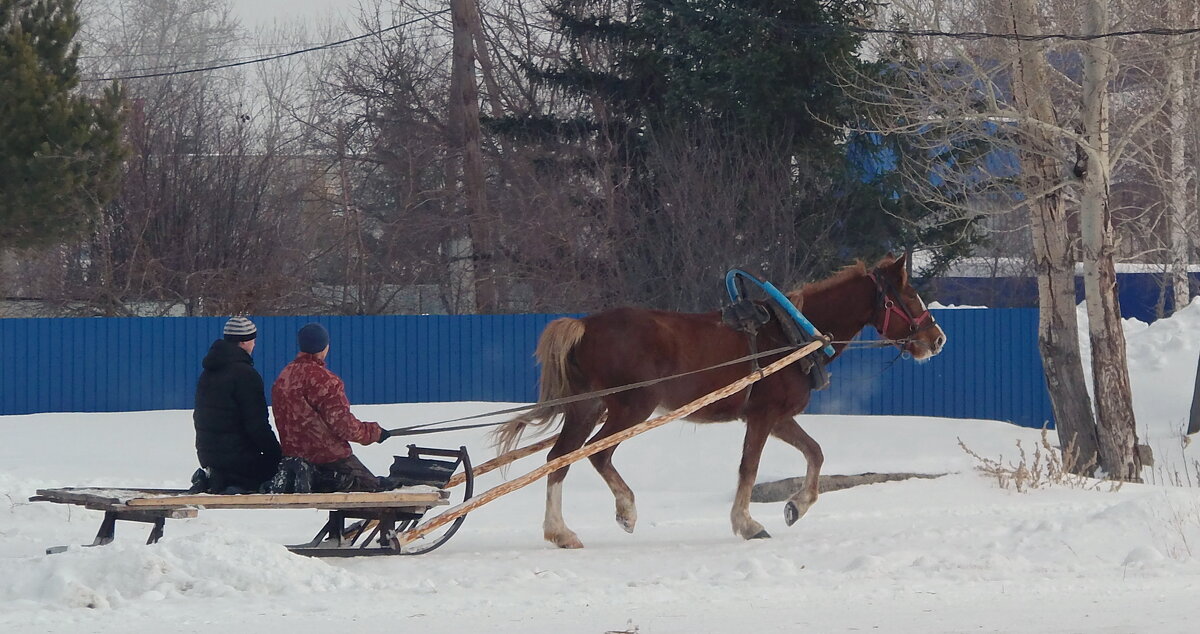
point(237, 449)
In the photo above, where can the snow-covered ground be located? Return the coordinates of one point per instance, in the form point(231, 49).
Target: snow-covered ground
point(953, 554)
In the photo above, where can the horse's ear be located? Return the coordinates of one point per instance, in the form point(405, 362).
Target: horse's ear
point(898, 266)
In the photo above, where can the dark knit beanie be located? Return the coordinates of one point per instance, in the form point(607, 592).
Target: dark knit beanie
point(239, 329)
point(313, 338)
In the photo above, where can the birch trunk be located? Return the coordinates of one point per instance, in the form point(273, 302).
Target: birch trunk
point(1177, 212)
point(1058, 328)
point(1116, 429)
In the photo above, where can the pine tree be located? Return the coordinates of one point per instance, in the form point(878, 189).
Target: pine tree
point(60, 150)
point(751, 81)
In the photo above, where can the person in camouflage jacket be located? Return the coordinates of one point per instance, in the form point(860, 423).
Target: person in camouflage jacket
point(313, 416)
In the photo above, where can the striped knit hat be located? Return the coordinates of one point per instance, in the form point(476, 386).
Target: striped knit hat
point(240, 329)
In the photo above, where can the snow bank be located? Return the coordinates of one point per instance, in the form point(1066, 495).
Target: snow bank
point(208, 565)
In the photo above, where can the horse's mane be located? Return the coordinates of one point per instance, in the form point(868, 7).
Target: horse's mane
point(796, 295)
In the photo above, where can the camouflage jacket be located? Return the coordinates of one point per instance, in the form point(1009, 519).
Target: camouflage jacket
point(312, 414)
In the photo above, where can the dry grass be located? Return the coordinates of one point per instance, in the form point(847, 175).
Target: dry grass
point(1172, 476)
point(1179, 525)
point(1045, 467)
point(1167, 472)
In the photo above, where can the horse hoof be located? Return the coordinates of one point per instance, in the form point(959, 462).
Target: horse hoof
point(564, 541)
point(792, 513)
point(763, 534)
point(626, 523)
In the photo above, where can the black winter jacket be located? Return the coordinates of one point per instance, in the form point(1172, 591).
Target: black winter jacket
point(232, 431)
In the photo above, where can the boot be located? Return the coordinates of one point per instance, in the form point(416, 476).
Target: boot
point(199, 482)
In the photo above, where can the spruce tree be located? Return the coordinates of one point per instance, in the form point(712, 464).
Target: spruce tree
point(755, 80)
point(60, 150)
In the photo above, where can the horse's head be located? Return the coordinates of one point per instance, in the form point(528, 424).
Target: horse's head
point(899, 314)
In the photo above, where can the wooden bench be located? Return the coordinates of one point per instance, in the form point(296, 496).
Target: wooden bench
point(383, 514)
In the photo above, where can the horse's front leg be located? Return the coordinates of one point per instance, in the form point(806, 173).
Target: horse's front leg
point(790, 432)
point(622, 414)
point(757, 430)
point(626, 509)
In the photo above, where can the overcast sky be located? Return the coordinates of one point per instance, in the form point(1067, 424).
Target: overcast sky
point(254, 13)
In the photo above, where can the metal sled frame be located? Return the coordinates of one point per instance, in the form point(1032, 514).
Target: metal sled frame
point(381, 526)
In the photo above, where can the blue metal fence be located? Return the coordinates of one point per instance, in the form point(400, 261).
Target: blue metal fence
point(989, 369)
point(1142, 296)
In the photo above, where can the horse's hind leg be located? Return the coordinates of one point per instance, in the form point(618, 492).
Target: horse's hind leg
point(790, 432)
point(620, 417)
point(578, 422)
point(757, 430)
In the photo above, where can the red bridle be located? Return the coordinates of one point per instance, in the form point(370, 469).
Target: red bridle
point(888, 306)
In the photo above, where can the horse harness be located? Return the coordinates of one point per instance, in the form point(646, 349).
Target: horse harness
point(748, 316)
point(887, 304)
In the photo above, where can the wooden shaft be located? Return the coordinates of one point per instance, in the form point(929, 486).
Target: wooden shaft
point(502, 460)
point(511, 456)
point(600, 445)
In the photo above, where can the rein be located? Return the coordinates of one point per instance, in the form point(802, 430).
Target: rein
point(416, 430)
point(420, 429)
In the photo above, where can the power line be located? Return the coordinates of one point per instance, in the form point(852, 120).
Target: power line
point(810, 28)
point(962, 35)
point(1018, 37)
point(259, 60)
point(261, 46)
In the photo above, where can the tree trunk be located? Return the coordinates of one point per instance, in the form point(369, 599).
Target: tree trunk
point(1058, 328)
point(465, 108)
point(8, 267)
point(1177, 211)
point(353, 279)
point(1117, 430)
point(1194, 414)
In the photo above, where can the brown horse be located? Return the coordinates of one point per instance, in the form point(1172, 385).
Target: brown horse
point(628, 345)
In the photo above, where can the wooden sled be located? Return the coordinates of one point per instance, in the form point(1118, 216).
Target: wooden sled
point(383, 515)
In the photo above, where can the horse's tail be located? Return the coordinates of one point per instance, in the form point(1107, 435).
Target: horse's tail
point(553, 351)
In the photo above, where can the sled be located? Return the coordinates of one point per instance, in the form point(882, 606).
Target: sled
point(383, 515)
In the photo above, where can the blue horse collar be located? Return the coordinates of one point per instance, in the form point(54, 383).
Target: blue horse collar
point(732, 279)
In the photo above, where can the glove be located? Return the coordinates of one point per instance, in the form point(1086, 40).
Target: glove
point(384, 434)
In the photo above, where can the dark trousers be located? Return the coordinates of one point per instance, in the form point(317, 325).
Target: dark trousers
point(351, 474)
point(244, 472)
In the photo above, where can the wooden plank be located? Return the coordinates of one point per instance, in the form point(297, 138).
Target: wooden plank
point(84, 497)
point(420, 506)
point(452, 514)
point(168, 499)
point(384, 499)
point(140, 515)
point(107, 503)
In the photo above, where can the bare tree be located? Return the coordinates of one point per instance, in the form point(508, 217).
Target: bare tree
point(974, 93)
point(1041, 176)
point(202, 219)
